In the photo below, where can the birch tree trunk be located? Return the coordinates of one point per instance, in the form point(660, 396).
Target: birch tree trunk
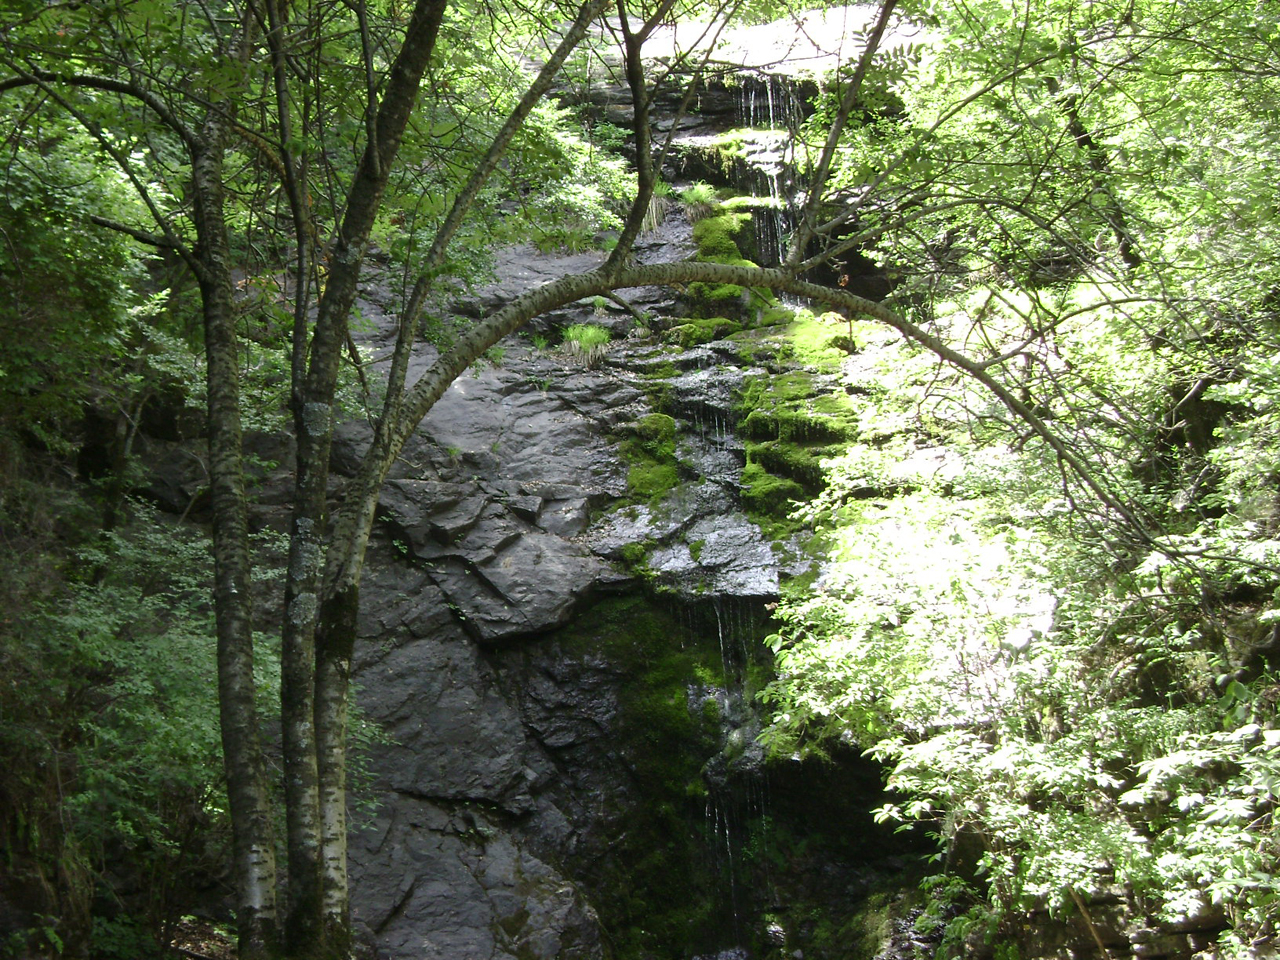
point(315, 722)
point(253, 849)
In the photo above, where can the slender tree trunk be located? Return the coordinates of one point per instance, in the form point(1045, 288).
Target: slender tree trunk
point(253, 849)
point(335, 643)
point(297, 713)
point(314, 676)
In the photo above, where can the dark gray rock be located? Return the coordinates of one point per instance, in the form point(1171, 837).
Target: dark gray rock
point(503, 768)
point(453, 883)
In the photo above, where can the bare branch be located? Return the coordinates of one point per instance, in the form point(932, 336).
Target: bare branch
point(45, 78)
point(142, 236)
point(818, 181)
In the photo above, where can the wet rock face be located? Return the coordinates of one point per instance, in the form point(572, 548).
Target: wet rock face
point(539, 739)
point(557, 627)
point(562, 606)
point(463, 888)
point(561, 672)
point(445, 859)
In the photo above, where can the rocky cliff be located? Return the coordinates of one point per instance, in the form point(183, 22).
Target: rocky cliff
point(561, 639)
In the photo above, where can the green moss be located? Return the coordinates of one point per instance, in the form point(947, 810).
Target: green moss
point(750, 203)
point(715, 236)
point(777, 389)
point(813, 342)
point(655, 435)
point(650, 449)
point(719, 238)
point(659, 392)
point(703, 330)
point(757, 346)
point(652, 481)
point(663, 370)
point(792, 422)
point(656, 889)
point(636, 555)
point(784, 424)
point(775, 316)
point(795, 462)
point(764, 493)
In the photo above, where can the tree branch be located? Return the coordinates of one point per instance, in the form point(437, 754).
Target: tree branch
point(38, 77)
point(142, 236)
point(818, 182)
point(355, 518)
point(467, 196)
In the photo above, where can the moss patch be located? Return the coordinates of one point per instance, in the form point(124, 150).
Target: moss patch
point(818, 342)
point(655, 889)
point(720, 239)
point(649, 447)
point(652, 481)
point(764, 493)
point(716, 236)
point(797, 463)
point(702, 330)
point(791, 422)
point(802, 425)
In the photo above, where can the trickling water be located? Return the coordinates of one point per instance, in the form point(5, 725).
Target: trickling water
point(735, 802)
point(772, 106)
point(735, 953)
point(724, 653)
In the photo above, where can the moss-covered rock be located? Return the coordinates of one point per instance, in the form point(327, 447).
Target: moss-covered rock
point(720, 239)
point(649, 447)
point(652, 481)
point(793, 461)
point(697, 330)
point(716, 236)
point(656, 435)
point(765, 493)
point(656, 892)
point(820, 343)
point(792, 422)
point(800, 425)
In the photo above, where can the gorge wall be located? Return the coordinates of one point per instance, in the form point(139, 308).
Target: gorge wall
point(561, 642)
point(561, 638)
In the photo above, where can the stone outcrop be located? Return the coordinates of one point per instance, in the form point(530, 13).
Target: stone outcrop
point(557, 655)
point(558, 743)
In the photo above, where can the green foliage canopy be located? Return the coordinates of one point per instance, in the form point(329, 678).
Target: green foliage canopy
point(1080, 199)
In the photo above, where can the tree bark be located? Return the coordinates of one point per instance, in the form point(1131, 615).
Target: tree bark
point(313, 696)
point(253, 847)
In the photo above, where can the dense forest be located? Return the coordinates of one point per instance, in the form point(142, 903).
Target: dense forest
point(1033, 248)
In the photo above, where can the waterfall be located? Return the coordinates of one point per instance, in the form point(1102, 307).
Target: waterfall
point(736, 822)
point(773, 106)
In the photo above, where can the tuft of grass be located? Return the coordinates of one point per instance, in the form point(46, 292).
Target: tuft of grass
point(586, 342)
point(699, 200)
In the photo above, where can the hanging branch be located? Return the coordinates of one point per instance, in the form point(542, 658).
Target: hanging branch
point(412, 313)
point(818, 182)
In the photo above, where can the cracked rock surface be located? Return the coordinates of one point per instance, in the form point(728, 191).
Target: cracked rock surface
point(498, 524)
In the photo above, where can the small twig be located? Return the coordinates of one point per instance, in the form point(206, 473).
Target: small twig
point(628, 306)
point(1088, 920)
